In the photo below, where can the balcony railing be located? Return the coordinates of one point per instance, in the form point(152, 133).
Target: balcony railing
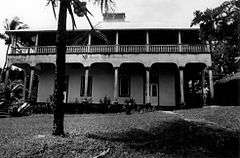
point(106, 49)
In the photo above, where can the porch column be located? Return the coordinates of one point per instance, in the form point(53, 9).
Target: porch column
point(147, 85)
point(203, 87)
point(6, 76)
point(180, 41)
point(115, 84)
point(86, 81)
point(14, 41)
point(182, 98)
point(32, 72)
point(117, 42)
point(36, 43)
point(25, 85)
point(147, 41)
point(211, 88)
point(89, 41)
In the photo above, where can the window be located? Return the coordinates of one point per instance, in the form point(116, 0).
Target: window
point(154, 90)
point(89, 90)
point(124, 86)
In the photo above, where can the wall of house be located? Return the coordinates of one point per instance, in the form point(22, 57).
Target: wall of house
point(167, 94)
point(46, 85)
point(74, 83)
point(103, 81)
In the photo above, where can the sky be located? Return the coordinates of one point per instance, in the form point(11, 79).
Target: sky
point(38, 15)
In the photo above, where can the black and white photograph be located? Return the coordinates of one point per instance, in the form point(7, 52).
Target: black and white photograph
point(120, 79)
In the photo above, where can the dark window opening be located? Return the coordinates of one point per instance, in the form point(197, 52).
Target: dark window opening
point(124, 86)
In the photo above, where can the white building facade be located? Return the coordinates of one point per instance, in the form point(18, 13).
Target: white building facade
point(149, 64)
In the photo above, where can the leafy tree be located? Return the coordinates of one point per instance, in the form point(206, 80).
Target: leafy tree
point(79, 8)
point(220, 27)
point(14, 24)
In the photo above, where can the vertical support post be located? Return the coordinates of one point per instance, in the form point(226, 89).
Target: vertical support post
point(6, 77)
point(25, 85)
point(182, 98)
point(204, 97)
point(211, 84)
point(117, 42)
point(86, 81)
point(147, 85)
point(180, 41)
point(89, 42)
point(32, 72)
point(147, 41)
point(14, 41)
point(115, 95)
point(36, 43)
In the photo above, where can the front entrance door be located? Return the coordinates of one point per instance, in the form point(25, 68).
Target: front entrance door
point(154, 94)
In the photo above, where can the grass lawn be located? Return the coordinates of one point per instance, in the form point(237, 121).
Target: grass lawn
point(207, 132)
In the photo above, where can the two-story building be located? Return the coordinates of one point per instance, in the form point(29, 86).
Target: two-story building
point(148, 62)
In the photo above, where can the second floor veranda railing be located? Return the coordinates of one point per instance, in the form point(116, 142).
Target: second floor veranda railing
point(106, 49)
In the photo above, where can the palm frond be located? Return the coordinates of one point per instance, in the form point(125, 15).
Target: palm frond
point(105, 5)
point(3, 36)
point(69, 8)
point(53, 3)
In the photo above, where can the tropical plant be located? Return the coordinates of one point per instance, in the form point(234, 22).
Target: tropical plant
point(220, 27)
point(79, 8)
point(14, 24)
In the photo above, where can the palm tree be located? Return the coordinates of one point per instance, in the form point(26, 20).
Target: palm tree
point(14, 24)
point(79, 8)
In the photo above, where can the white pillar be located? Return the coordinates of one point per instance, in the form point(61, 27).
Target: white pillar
point(6, 76)
point(211, 88)
point(117, 42)
point(25, 85)
point(147, 41)
point(13, 43)
point(89, 41)
point(147, 85)
point(31, 83)
point(180, 41)
point(115, 83)
point(182, 99)
point(86, 81)
point(203, 87)
point(36, 43)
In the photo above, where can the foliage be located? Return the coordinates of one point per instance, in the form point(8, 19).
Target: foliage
point(220, 27)
point(129, 105)
point(14, 24)
point(106, 100)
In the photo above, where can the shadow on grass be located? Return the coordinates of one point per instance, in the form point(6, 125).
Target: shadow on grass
point(178, 137)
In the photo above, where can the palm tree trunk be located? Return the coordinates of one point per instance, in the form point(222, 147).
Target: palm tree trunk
point(5, 63)
point(58, 127)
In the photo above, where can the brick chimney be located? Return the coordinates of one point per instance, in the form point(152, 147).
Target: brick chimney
point(114, 17)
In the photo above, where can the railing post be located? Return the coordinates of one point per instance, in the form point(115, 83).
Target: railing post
point(36, 43)
point(117, 42)
point(180, 41)
point(147, 41)
point(89, 42)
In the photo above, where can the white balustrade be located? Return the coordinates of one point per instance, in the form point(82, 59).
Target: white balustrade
point(112, 49)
